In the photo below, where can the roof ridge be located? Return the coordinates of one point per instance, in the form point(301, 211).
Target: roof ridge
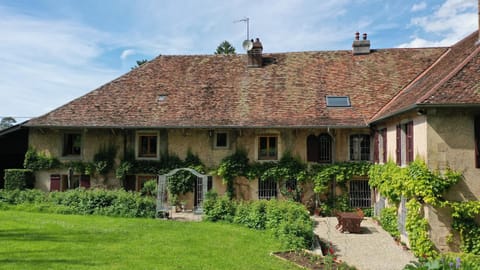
point(380, 111)
point(449, 75)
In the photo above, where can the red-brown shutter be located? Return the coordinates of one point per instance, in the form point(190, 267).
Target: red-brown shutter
point(399, 145)
point(54, 182)
point(376, 147)
point(384, 137)
point(477, 141)
point(85, 181)
point(409, 142)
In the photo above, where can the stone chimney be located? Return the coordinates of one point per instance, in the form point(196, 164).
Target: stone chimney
point(255, 58)
point(361, 46)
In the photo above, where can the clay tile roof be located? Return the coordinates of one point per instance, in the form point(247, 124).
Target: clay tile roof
point(220, 91)
point(452, 80)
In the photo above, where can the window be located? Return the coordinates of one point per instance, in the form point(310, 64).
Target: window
point(360, 147)
point(268, 148)
point(319, 149)
point(380, 146)
point(142, 179)
point(338, 101)
point(360, 194)
point(267, 189)
point(72, 144)
point(477, 141)
point(404, 151)
point(221, 140)
point(147, 145)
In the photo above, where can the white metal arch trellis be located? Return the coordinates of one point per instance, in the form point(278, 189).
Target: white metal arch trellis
point(162, 208)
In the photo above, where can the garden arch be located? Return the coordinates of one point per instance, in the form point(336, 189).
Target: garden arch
point(162, 207)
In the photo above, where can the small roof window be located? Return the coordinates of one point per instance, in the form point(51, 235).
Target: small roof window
point(338, 101)
point(162, 97)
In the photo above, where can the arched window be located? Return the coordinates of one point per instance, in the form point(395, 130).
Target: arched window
point(319, 148)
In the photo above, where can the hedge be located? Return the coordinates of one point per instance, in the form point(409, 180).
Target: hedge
point(18, 179)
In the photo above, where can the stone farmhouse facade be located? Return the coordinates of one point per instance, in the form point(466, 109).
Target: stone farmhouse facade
point(353, 105)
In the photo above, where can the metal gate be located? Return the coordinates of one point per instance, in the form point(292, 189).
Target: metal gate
point(360, 194)
point(402, 218)
point(379, 205)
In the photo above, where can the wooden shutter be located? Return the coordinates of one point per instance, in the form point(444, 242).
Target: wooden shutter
point(54, 182)
point(383, 132)
point(85, 181)
point(376, 147)
point(409, 142)
point(313, 148)
point(399, 145)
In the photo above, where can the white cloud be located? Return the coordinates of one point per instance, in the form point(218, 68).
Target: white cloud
point(46, 63)
point(452, 21)
point(418, 7)
point(127, 53)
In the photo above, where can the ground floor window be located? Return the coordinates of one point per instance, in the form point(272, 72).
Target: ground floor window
point(267, 189)
point(360, 194)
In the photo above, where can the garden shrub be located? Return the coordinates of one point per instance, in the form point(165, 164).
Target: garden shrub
point(389, 221)
point(18, 179)
point(218, 208)
point(288, 221)
point(83, 202)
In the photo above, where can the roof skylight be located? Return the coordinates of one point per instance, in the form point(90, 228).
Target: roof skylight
point(338, 101)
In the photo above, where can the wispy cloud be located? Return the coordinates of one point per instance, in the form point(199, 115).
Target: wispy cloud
point(419, 6)
point(450, 22)
point(126, 53)
point(46, 63)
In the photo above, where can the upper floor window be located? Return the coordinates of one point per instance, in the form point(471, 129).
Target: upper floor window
point(404, 151)
point(380, 146)
point(147, 145)
point(221, 140)
point(268, 148)
point(477, 141)
point(359, 147)
point(72, 144)
point(319, 149)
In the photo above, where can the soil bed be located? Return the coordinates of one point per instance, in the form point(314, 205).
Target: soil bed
point(312, 261)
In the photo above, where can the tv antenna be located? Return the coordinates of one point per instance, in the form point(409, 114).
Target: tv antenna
point(247, 44)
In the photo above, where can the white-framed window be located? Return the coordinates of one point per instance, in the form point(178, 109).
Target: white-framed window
point(360, 147)
point(147, 145)
point(267, 147)
point(221, 140)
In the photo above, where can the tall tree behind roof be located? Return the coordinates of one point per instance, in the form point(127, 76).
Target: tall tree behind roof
point(225, 48)
point(7, 122)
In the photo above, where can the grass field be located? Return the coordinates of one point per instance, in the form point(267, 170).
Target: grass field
point(50, 241)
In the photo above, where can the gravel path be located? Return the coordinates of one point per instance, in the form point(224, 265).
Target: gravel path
point(373, 249)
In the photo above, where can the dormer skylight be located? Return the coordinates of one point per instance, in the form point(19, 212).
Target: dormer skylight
point(338, 101)
point(162, 97)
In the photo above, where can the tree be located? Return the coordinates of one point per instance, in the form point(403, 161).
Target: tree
point(139, 63)
point(7, 122)
point(225, 48)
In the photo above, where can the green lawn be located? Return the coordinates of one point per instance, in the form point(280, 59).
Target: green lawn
point(50, 241)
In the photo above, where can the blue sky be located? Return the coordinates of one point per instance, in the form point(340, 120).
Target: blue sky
point(53, 51)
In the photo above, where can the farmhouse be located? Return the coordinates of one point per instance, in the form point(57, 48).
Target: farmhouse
point(323, 107)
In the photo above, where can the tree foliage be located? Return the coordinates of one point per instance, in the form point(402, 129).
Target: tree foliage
point(225, 48)
point(7, 122)
point(139, 63)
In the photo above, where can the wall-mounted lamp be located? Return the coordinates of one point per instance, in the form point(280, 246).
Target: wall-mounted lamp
point(210, 133)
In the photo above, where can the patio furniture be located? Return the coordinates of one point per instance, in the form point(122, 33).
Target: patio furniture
point(349, 221)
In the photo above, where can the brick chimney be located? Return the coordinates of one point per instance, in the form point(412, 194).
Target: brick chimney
point(361, 46)
point(255, 58)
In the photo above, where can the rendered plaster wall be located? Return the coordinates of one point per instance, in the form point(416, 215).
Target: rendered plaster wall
point(50, 142)
point(451, 143)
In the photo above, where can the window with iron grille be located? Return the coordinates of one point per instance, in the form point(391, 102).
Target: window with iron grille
point(268, 148)
point(319, 149)
point(221, 140)
point(360, 194)
point(267, 189)
point(360, 147)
